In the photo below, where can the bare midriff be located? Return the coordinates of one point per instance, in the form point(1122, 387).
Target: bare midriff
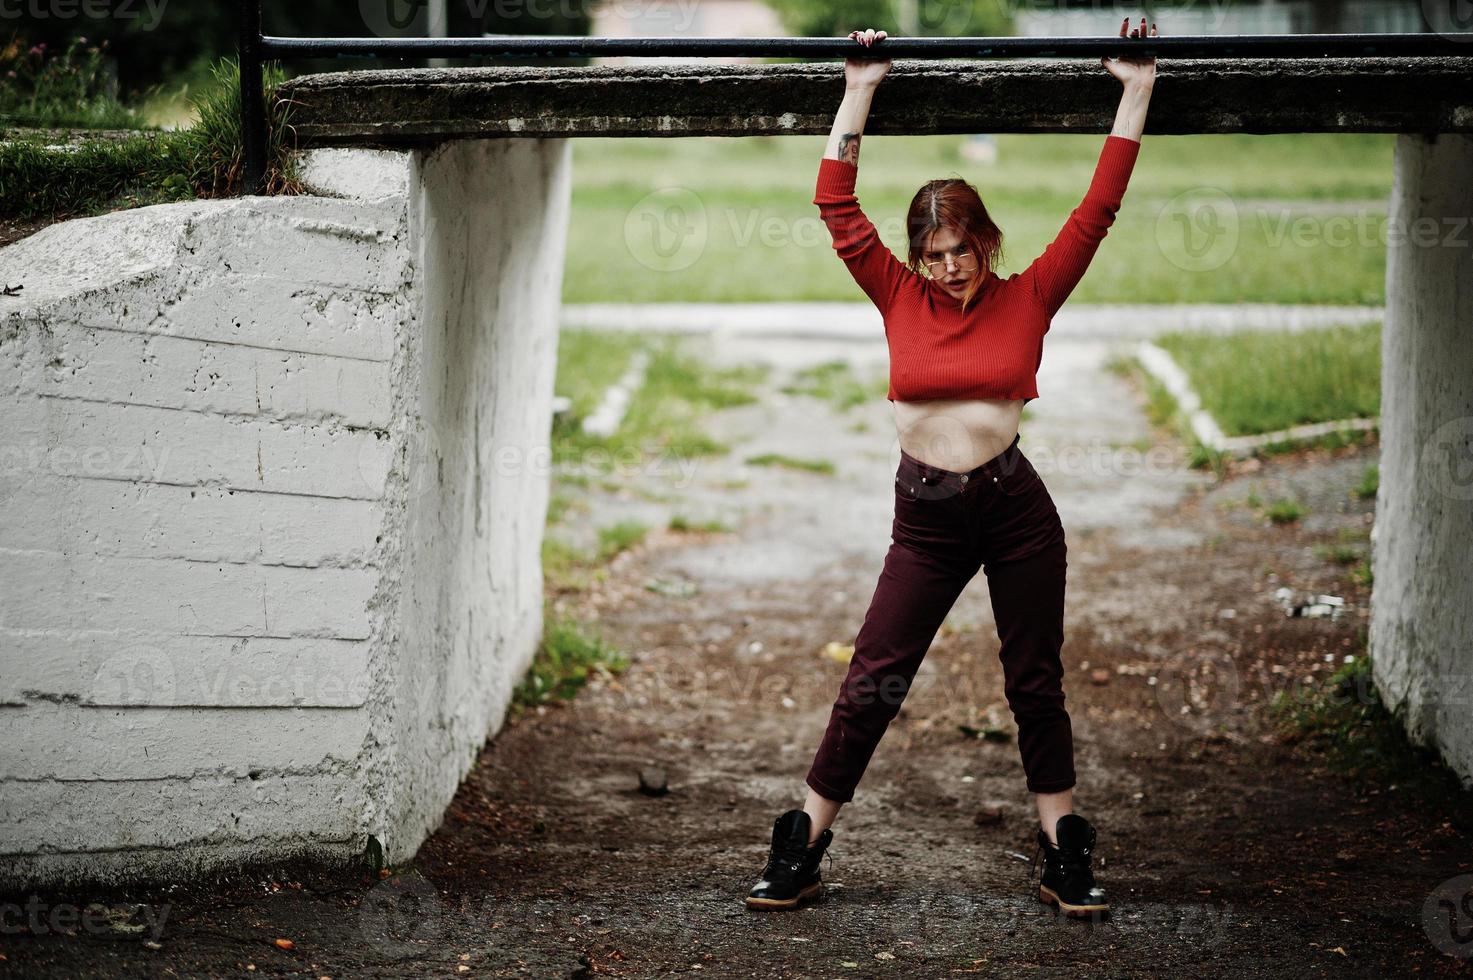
point(957, 435)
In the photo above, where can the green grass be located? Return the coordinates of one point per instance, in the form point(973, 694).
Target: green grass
point(1256, 381)
point(1340, 554)
point(567, 568)
point(1329, 441)
point(685, 525)
point(96, 175)
point(566, 658)
point(1285, 511)
point(792, 462)
point(1161, 410)
point(732, 219)
point(1370, 482)
point(836, 382)
point(589, 361)
point(560, 503)
point(1351, 549)
point(619, 537)
point(664, 418)
point(1345, 722)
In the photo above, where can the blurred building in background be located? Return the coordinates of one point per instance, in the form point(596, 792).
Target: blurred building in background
point(684, 18)
point(1267, 17)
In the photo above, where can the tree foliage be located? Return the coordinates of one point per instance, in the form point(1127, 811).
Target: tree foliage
point(909, 18)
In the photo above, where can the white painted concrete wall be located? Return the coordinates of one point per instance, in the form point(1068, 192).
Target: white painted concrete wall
point(1422, 544)
point(493, 217)
point(263, 587)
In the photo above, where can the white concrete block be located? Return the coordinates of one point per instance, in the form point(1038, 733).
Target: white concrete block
point(52, 437)
point(109, 668)
point(202, 524)
point(63, 741)
point(130, 368)
point(50, 591)
point(269, 581)
point(87, 816)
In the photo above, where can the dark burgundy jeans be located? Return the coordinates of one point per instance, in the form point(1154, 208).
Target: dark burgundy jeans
point(1001, 518)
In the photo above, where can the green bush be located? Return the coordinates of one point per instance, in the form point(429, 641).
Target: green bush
point(60, 89)
point(40, 179)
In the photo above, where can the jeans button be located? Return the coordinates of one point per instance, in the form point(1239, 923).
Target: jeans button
point(964, 478)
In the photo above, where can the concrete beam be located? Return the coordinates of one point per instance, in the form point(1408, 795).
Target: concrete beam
point(1289, 95)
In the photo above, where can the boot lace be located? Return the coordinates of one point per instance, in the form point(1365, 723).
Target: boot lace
point(1073, 862)
point(788, 858)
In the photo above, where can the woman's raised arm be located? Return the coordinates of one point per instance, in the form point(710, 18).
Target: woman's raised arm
point(873, 266)
point(1053, 275)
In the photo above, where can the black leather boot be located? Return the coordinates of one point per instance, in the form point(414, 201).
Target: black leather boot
point(1067, 879)
point(791, 876)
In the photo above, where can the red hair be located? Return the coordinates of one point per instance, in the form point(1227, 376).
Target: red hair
point(953, 202)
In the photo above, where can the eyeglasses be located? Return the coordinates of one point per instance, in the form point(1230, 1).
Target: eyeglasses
point(962, 257)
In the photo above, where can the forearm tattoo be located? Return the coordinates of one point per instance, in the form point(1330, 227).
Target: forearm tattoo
point(849, 148)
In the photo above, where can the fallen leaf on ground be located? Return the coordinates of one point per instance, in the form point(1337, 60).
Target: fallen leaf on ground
point(839, 651)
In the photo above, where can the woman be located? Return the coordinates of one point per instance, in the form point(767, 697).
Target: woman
point(964, 348)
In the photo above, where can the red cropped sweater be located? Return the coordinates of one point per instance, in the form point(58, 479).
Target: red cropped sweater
point(993, 349)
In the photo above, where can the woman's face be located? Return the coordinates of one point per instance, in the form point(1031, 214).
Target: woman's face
point(950, 261)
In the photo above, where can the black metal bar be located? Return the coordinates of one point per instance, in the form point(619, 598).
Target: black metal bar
point(1185, 46)
point(252, 100)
